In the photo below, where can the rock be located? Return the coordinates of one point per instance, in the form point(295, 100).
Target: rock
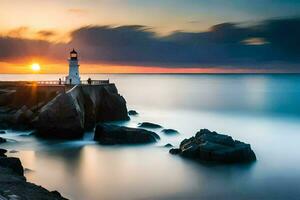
point(170, 131)
point(168, 145)
point(175, 151)
point(27, 170)
point(70, 113)
point(12, 163)
point(149, 125)
point(211, 146)
point(14, 185)
point(13, 151)
point(3, 152)
point(2, 132)
point(61, 118)
point(23, 115)
point(2, 140)
point(113, 134)
point(132, 112)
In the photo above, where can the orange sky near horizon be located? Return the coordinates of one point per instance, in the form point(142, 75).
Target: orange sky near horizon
point(88, 68)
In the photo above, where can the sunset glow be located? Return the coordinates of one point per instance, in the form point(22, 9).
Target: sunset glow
point(35, 67)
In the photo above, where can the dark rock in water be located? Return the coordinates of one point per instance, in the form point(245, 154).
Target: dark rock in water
point(211, 146)
point(168, 145)
point(3, 152)
point(12, 163)
point(2, 132)
point(170, 132)
point(2, 140)
point(69, 114)
point(13, 151)
point(132, 112)
point(149, 125)
point(113, 134)
point(27, 170)
point(175, 151)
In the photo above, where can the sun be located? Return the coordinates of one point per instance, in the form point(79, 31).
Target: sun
point(35, 67)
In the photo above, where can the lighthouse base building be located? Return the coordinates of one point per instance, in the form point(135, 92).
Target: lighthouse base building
point(73, 78)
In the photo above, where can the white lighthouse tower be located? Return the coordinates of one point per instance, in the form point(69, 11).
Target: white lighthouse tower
point(73, 78)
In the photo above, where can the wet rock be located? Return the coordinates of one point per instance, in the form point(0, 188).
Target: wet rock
point(2, 140)
point(14, 185)
point(13, 151)
point(12, 163)
point(2, 132)
point(113, 134)
point(170, 131)
point(211, 146)
point(175, 151)
point(3, 152)
point(149, 125)
point(132, 112)
point(168, 145)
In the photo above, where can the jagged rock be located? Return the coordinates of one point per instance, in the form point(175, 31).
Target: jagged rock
point(170, 131)
point(2, 140)
point(113, 134)
point(211, 146)
point(149, 125)
point(70, 113)
point(132, 112)
point(12, 163)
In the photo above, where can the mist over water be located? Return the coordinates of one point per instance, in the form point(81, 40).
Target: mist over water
point(262, 110)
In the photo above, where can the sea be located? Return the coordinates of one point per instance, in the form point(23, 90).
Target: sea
point(260, 109)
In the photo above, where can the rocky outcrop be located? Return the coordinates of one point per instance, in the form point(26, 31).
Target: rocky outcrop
point(113, 134)
point(149, 125)
point(211, 146)
point(14, 184)
point(70, 113)
point(170, 132)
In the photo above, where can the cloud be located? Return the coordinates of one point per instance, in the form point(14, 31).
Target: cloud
point(18, 32)
point(46, 33)
point(276, 42)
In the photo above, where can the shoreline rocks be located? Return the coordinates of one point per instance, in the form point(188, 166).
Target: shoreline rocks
point(112, 134)
point(149, 125)
point(214, 147)
point(14, 184)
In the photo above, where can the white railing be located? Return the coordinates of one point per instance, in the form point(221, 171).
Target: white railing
point(85, 82)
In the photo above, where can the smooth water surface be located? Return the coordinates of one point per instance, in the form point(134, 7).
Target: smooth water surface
point(262, 110)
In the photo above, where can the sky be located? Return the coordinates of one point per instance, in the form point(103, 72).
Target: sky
point(157, 36)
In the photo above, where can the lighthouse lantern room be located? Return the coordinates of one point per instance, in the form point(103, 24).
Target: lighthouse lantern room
point(73, 78)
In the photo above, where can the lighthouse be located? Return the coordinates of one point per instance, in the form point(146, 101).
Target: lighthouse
point(73, 78)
